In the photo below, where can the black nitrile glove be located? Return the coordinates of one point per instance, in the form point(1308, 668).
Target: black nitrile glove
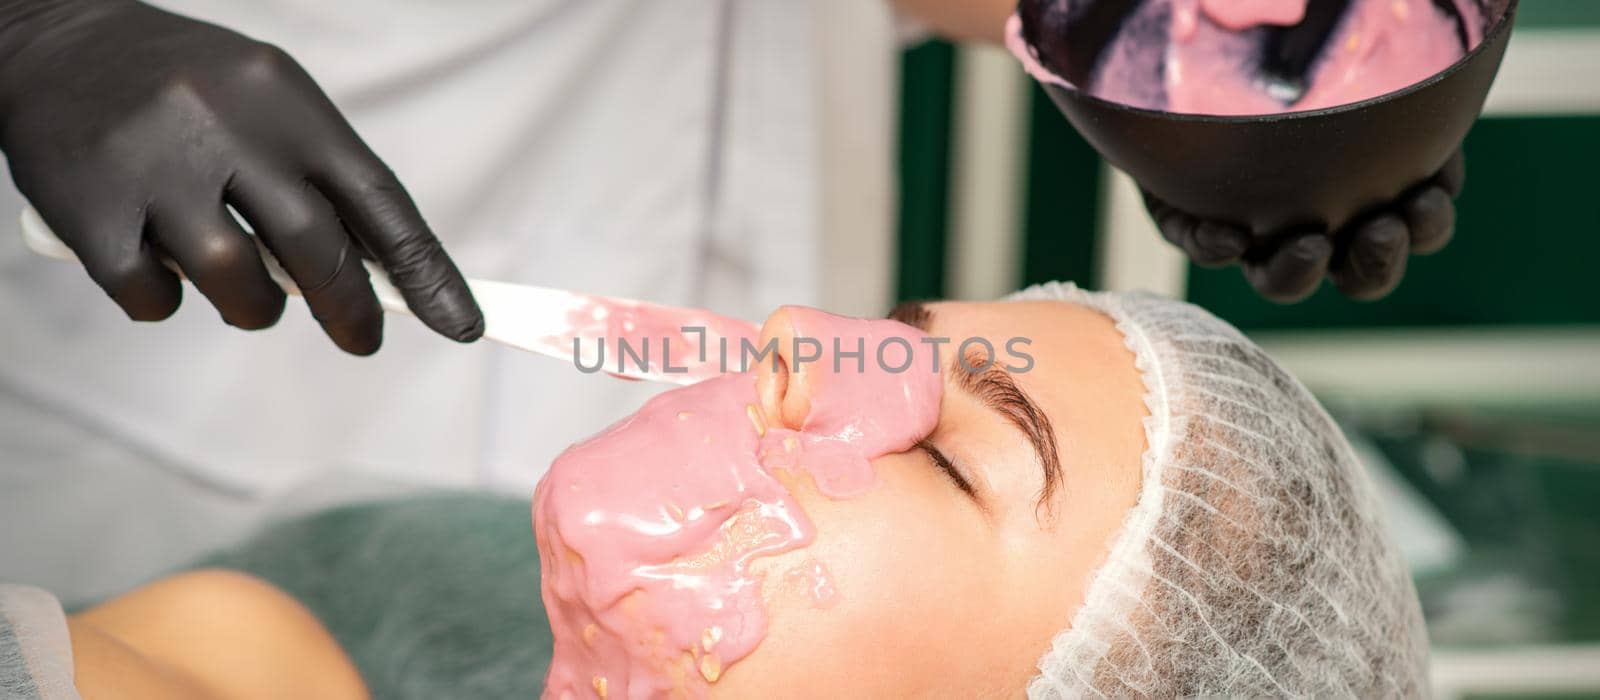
point(1365, 260)
point(131, 129)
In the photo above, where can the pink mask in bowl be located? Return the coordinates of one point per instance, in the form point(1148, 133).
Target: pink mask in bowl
point(1209, 62)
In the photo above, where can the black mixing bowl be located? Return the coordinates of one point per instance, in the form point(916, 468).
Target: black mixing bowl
point(1276, 172)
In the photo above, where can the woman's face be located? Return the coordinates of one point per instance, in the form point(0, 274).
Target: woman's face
point(947, 574)
point(956, 592)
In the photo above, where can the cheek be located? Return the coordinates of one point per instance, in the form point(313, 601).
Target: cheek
point(907, 565)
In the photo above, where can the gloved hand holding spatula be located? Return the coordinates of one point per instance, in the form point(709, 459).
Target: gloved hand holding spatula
point(132, 130)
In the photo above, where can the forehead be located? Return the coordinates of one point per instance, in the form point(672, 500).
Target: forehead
point(1082, 377)
point(1064, 339)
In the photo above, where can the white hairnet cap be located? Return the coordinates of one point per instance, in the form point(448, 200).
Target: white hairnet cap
point(35, 646)
point(1255, 562)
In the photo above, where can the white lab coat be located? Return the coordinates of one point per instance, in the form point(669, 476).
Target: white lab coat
point(658, 149)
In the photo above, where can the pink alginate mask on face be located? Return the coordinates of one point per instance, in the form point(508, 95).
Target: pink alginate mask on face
point(1209, 64)
point(647, 531)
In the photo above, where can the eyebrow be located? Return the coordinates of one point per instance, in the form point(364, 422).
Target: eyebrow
point(996, 389)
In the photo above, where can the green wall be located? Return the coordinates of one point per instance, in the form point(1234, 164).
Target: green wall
point(1526, 247)
point(926, 94)
point(1063, 183)
point(1559, 13)
point(1063, 199)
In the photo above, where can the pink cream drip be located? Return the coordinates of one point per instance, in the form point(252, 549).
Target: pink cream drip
point(1209, 60)
point(1388, 45)
point(813, 581)
point(648, 530)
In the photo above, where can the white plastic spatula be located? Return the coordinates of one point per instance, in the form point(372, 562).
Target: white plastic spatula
point(666, 344)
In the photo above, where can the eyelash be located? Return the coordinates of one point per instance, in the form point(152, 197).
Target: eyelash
point(943, 464)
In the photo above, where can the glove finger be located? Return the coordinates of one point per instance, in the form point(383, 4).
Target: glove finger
point(1431, 216)
point(123, 262)
point(1292, 271)
point(301, 229)
point(1177, 228)
point(221, 260)
point(1453, 176)
point(1375, 259)
point(1207, 243)
point(1153, 204)
point(1215, 244)
point(380, 213)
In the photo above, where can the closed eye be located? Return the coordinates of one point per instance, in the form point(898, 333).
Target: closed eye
point(943, 463)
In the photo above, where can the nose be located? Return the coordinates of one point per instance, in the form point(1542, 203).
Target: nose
point(783, 386)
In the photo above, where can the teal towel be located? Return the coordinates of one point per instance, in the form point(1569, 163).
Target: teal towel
point(433, 597)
